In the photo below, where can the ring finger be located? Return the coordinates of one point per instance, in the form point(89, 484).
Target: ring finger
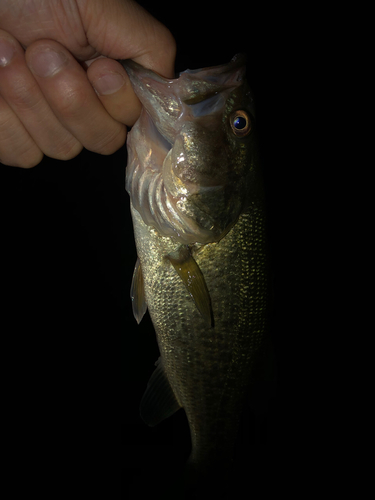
point(27, 122)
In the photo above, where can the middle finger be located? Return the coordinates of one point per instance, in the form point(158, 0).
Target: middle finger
point(65, 86)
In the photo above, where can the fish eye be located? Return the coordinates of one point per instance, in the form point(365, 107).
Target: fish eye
point(241, 123)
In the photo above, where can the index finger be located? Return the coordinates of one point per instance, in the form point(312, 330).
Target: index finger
point(125, 30)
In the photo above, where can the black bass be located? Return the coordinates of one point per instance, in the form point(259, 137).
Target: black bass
point(197, 203)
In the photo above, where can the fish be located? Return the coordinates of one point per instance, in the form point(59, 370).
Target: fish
point(197, 200)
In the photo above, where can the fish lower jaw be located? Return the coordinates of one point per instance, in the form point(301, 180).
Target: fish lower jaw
point(165, 213)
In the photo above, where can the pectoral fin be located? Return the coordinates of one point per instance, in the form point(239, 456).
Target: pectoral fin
point(159, 401)
point(137, 293)
point(193, 279)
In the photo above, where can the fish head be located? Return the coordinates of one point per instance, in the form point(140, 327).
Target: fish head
point(196, 134)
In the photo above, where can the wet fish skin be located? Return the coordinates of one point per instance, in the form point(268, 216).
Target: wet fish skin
point(208, 209)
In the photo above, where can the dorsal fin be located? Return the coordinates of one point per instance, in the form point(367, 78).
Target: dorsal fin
point(193, 279)
point(137, 293)
point(159, 401)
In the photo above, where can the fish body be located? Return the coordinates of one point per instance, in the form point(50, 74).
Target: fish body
point(198, 209)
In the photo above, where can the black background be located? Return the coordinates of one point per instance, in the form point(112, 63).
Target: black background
point(75, 362)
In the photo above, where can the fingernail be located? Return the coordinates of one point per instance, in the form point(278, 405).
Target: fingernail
point(7, 51)
point(48, 62)
point(109, 83)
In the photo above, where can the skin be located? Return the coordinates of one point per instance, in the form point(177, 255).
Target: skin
point(83, 98)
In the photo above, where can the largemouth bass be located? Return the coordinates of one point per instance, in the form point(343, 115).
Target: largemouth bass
point(198, 210)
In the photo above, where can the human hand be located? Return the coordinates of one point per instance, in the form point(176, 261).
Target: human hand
point(53, 55)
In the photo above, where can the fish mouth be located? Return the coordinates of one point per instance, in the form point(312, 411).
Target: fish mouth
point(195, 93)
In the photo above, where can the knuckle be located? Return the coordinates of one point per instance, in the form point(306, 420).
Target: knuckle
point(66, 150)
point(17, 149)
point(31, 158)
point(71, 103)
point(110, 143)
point(23, 95)
point(28, 158)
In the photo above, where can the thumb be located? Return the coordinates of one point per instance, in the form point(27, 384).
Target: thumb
point(122, 29)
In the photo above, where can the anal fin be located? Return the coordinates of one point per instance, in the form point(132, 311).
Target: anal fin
point(158, 401)
point(193, 279)
point(137, 293)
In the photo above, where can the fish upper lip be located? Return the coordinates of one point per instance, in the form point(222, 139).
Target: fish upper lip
point(133, 69)
point(157, 97)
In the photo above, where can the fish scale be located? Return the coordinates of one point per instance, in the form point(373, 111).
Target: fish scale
point(209, 368)
point(205, 282)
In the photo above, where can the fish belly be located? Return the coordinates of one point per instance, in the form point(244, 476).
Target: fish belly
point(209, 367)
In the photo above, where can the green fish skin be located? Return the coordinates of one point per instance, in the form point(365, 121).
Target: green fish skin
point(198, 209)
